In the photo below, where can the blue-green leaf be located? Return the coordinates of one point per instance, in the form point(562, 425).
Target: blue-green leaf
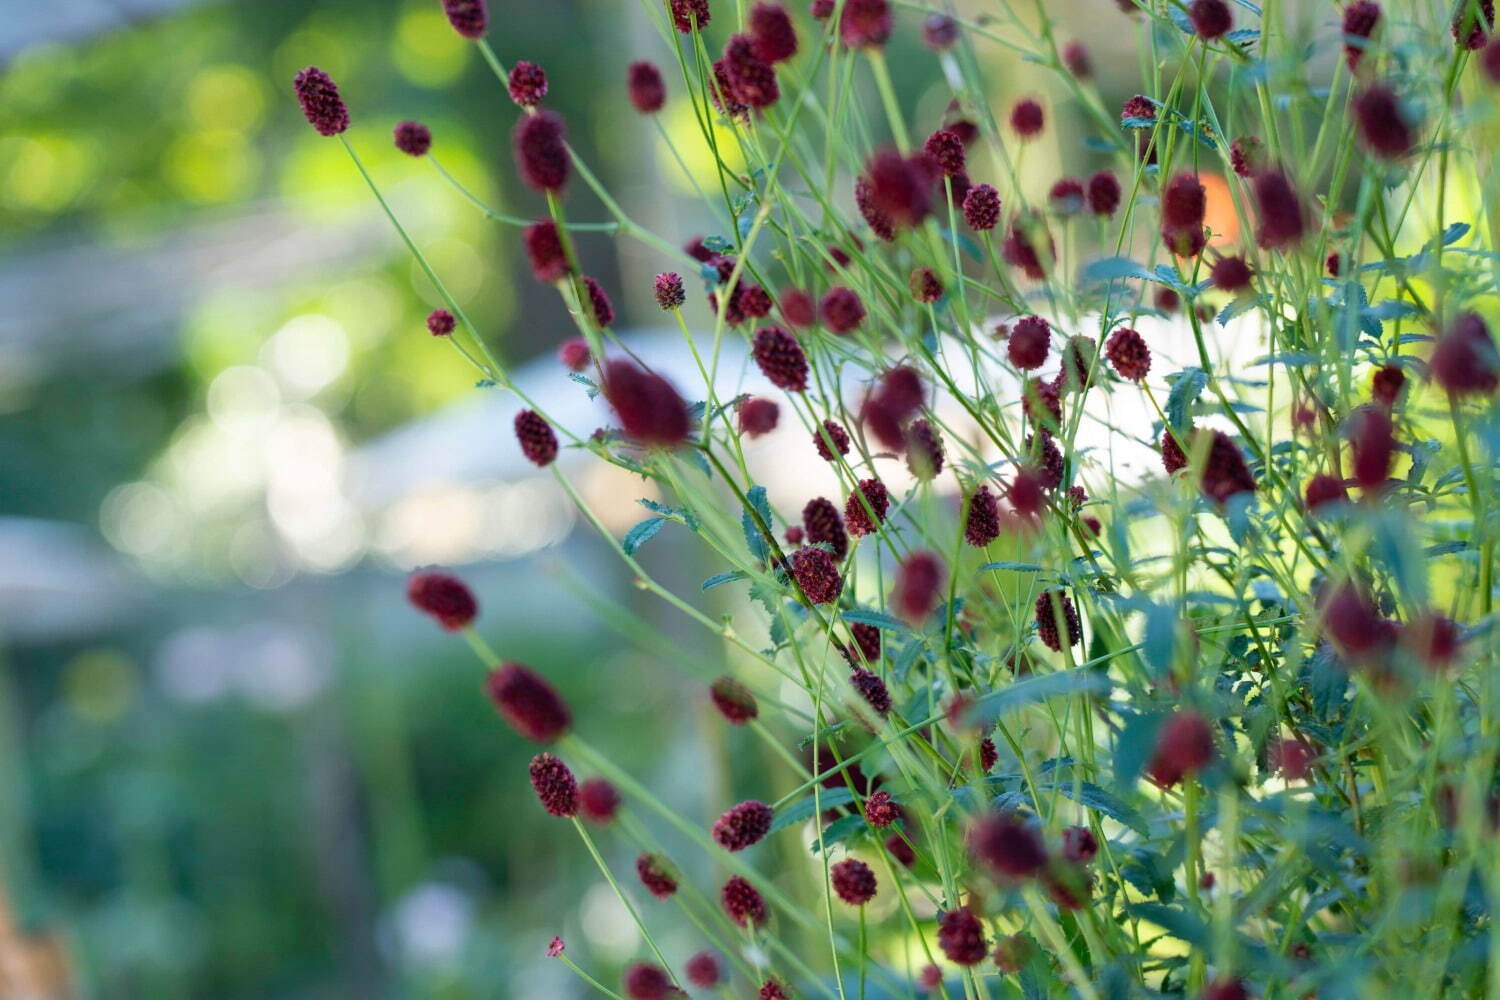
point(641, 534)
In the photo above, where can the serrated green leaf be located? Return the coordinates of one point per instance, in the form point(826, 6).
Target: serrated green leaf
point(641, 534)
point(803, 809)
point(881, 621)
point(840, 830)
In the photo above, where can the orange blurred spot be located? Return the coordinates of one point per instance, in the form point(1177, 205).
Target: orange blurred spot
point(1219, 216)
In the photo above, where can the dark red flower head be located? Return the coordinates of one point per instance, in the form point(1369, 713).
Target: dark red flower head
point(1137, 109)
point(772, 989)
point(1104, 193)
point(648, 92)
point(443, 596)
point(982, 523)
point(872, 689)
point(900, 187)
point(1183, 203)
point(864, 199)
point(733, 700)
point(853, 880)
point(961, 937)
point(541, 151)
point(656, 875)
point(821, 519)
point(1245, 155)
point(881, 810)
point(722, 94)
point(1385, 385)
point(321, 104)
point(1283, 220)
point(1128, 354)
point(743, 902)
point(1225, 472)
point(1324, 489)
point(982, 208)
point(899, 848)
point(758, 416)
point(668, 291)
point(1334, 264)
point(842, 311)
point(1020, 252)
point(1056, 618)
point(939, 32)
point(1042, 402)
point(1030, 340)
point(413, 138)
point(685, 11)
point(1383, 124)
point(1231, 274)
point(866, 644)
point(1372, 445)
point(1353, 624)
point(752, 80)
point(527, 84)
point(1075, 57)
point(1173, 458)
point(798, 308)
point(648, 982)
point(866, 24)
point(1226, 988)
point(924, 450)
point(775, 38)
point(946, 150)
point(1027, 492)
point(1472, 21)
point(930, 979)
point(533, 707)
point(1066, 196)
point(1211, 18)
point(821, 10)
point(468, 17)
point(742, 825)
point(703, 970)
point(1465, 361)
point(544, 249)
point(538, 442)
point(1489, 61)
point(599, 305)
point(817, 575)
point(925, 286)
point(598, 801)
point(870, 498)
point(1007, 845)
point(440, 323)
point(919, 585)
point(1184, 746)
point(1361, 18)
point(650, 410)
point(831, 433)
point(574, 354)
point(1432, 640)
point(1167, 300)
point(781, 359)
point(1293, 757)
point(554, 785)
point(1079, 845)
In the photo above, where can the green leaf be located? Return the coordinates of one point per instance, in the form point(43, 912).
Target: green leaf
point(1111, 268)
point(1088, 794)
point(1133, 748)
point(641, 534)
point(880, 621)
point(1014, 567)
point(1176, 921)
point(1038, 688)
point(840, 830)
point(804, 808)
point(753, 536)
point(722, 578)
point(1186, 389)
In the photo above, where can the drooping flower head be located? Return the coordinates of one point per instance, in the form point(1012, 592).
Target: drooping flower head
point(743, 825)
point(656, 875)
point(468, 17)
point(443, 596)
point(781, 359)
point(650, 409)
point(733, 700)
point(537, 440)
point(321, 104)
point(531, 706)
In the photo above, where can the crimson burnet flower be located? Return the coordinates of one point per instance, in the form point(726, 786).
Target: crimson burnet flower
point(925, 286)
point(1489, 61)
point(780, 358)
point(668, 291)
point(733, 700)
point(555, 947)
point(961, 937)
point(468, 17)
point(541, 151)
point(930, 979)
point(869, 499)
point(982, 208)
point(1472, 22)
point(881, 810)
point(699, 251)
point(1048, 458)
point(1013, 953)
point(600, 307)
point(1282, 217)
point(1361, 18)
point(865, 24)
point(647, 89)
point(939, 32)
point(864, 199)
point(1231, 274)
point(1173, 458)
point(1183, 202)
point(772, 989)
point(1007, 845)
point(1167, 300)
point(1230, 988)
point(1026, 492)
point(946, 150)
point(1465, 361)
point(1225, 472)
point(1352, 623)
point(866, 642)
point(554, 785)
point(742, 825)
point(794, 534)
point(1386, 384)
point(413, 138)
point(1128, 354)
point(1382, 123)
point(1066, 196)
point(1020, 252)
point(1211, 18)
point(1079, 354)
point(722, 93)
point(1293, 757)
point(1372, 445)
point(650, 410)
point(900, 187)
point(1322, 490)
point(841, 310)
point(982, 522)
point(988, 755)
point(752, 80)
point(527, 84)
point(918, 587)
point(440, 323)
point(822, 10)
point(817, 575)
point(544, 249)
point(797, 308)
point(1184, 746)
point(924, 450)
point(598, 801)
point(1079, 845)
point(1027, 118)
point(1184, 242)
point(1056, 618)
point(1432, 640)
point(1030, 339)
point(900, 849)
point(1245, 155)
point(853, 880)
point(1067, 884)
point(1137, 109)
point(821, 520)
point(684, 12)
point(758, 416)
point(443, 596)
point(656, 875)
point(775, 38)
point(1333, 264)
point(1075, 57)
point(703, 970)
point(531, 706)
point(648, 982)
point(872, 689)
point(831, 433)
point(574, 354)
point(743, 902)
point(321, 104)
point(1104, 193)
point(538, 442)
